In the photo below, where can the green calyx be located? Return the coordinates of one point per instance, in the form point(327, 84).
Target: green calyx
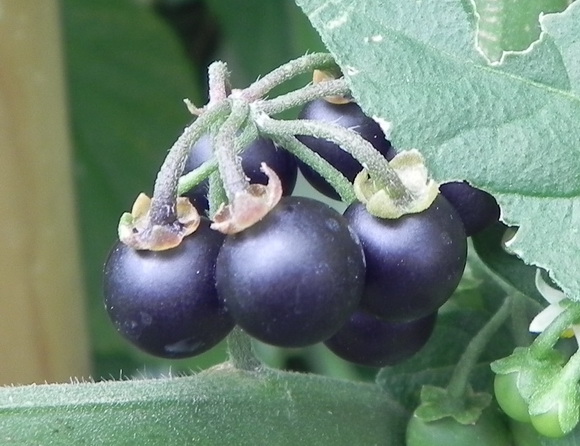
point(438, 403)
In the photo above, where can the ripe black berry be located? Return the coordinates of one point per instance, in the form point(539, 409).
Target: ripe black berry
point(414, 263)
point(293, 278)
point(368, 340)
point(477, 209)
point(165, 302)
point(347, 115)
point(261, 150)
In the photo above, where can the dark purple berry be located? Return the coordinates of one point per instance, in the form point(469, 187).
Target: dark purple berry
point(293, 278)
point(414, 263)
point(165, 302)
point(370, 341)
point(478, 209)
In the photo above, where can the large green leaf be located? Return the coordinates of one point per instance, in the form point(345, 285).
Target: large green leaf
point(510, 129)
point(218, 407)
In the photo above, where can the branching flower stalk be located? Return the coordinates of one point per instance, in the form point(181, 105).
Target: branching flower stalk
point(520, 321)
point(335, 87)
point(165, 190)
point(381, 172)
point(248, 134)
point(226, 117)
point(225, 147)
point(304, 64)
point(334, 177)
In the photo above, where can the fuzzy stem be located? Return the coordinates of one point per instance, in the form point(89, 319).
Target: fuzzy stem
point(548, 338)
point(348, 140)
point(335, 178)
point(225, 148)
point(240, 351)
point(520, 323)
point(216, 194)
point(337, 87)
point(218, 79)
point(286, 72)
point(163, 205)
point(460, 378)
point(196, 176)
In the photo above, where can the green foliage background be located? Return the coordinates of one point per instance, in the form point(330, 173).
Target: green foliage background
point(131, 63)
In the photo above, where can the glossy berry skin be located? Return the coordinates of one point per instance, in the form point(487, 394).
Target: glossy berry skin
point(477, 209)
point(414, 263)
point(369, 341)
point(347, 115)
point(261, 150)
point(293, 278)
point(165, 302)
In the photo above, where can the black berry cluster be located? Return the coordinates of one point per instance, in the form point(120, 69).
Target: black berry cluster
point(368, 287)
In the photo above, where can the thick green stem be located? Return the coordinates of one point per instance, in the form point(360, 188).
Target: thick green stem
point(348, 140)
point(163, 205)
point(460, 378)
point(304, 64)
point(519, 321)
point(240, 351)
point(548, 338)
point(337, 87)
point(335, 178)
point(226, 145)
point(216, 194)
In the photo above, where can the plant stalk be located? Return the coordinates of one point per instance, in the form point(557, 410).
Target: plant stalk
point(240, 351)
point(459, 379)
point(336, 87)
point(548, 338)
point(163, 205)
point(378, 167)
point(226, 145)
point(304, 64)
point(334, 177)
